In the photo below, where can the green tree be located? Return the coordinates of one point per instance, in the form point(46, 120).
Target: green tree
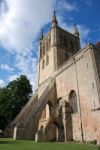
point(12, 98)
point(5, 112)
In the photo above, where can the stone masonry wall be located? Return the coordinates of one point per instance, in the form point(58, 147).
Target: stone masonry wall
point(78, 74)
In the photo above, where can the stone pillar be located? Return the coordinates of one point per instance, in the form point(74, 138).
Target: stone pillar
point(64, 119)
point(98, 138)
point(15, 133)
point(67, 121)
point(39, 137)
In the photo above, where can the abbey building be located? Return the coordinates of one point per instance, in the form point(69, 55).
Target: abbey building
point(66, 105)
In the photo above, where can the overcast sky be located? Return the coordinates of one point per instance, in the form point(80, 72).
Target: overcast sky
point(21, 22)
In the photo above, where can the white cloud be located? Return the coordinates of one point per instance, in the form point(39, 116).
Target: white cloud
point(27, 66)
point(6, 67)
point(65, 5)
point(13, 77)
point(2, 83)
point(22, 21)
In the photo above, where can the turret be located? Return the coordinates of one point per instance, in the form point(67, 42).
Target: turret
point(41, 35)
point(40, 44)
point(75, 31)
point(54, 29)
point(54, 20)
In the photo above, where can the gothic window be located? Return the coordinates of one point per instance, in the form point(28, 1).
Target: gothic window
point(61, 40)
point(47, 60)
point(43, 64)
point(47, 46)
point(71, 45)
point(65, 42)
point(40, 53)
point(43, 49)
point(73, 101)
point(92, 85)
point(40, 50)
point(49, 41)
point(66, 56)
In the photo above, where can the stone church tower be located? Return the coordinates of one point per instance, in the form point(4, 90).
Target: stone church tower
point(66, 105)
point(56, 48)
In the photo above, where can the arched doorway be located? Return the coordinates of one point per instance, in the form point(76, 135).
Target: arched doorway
point(71, 108)
point(67, 121)
point(54, 129)
point(60, 135)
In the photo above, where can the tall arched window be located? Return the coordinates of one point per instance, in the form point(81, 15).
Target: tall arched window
point(47, 60)
point(43, 49)
point(71, 46)
point(65, 42)
point(66, 56)
point(49, 41)
point(47, 46)
point(43, 64)
point(73, 101)
point(40, 50)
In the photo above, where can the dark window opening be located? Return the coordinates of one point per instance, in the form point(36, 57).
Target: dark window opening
point(71, 46)
point(73, 101)
point(66, 56)
point(43, 64)
point(47, 60)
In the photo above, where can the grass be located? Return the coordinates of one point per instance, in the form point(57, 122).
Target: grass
point(10, 144)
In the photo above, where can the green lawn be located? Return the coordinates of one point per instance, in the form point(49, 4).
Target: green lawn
point(9, 144)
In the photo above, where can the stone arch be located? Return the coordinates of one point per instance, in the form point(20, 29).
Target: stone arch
point(41, 127)
point(54, 129)
point(50, 105)
point(73, 101)
point(71, 46)
point(60, 128)
point(45, 114)
point(46, 111)
point(68, 130)
point(49, 128)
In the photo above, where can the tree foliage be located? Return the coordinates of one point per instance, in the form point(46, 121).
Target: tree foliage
point(12, 99)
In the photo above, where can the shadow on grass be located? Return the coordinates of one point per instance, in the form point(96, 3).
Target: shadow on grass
point(7, 142)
